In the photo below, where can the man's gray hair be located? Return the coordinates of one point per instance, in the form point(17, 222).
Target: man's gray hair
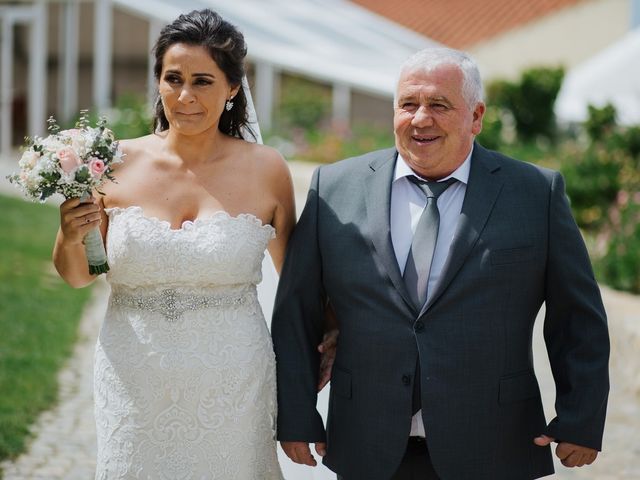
point(433, 57)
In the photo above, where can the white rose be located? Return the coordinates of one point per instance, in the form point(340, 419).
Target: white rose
point(78, 144)
point(89, 141)
point(52, 143)
point(29, 159)
point(33, 179)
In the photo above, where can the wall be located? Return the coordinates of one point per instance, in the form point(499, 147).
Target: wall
point(566, 38)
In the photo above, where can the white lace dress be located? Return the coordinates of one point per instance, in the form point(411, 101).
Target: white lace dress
point(184, 369)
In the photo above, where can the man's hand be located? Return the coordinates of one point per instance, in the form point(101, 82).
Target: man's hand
point(570, 455)
point(299, 452)
point(327, 351)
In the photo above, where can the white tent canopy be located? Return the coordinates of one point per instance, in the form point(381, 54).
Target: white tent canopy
point(611, 76)
point(331, 40)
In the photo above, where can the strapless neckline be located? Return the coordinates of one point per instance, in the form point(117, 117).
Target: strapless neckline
point(188, 224)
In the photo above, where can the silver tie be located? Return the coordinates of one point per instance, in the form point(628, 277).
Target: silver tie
point(418, 266)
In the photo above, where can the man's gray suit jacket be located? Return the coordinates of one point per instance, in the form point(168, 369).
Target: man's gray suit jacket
point(516, 246)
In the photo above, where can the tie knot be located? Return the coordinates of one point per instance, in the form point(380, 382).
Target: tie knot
point(431, 189)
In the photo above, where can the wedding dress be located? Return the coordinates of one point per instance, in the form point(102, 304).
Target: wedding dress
point(184, 373)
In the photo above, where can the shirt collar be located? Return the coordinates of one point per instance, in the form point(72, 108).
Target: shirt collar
point(461, 173)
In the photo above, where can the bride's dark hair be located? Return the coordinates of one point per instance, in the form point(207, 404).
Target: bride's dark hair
point(227, 48)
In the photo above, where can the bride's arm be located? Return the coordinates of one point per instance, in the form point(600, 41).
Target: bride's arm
point(69, 255)
point(69, 258)
point(328, 346)
point(284, 225)
point(284, 214)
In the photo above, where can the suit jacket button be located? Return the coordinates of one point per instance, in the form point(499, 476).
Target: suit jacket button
point(419, 326)
point(406, 379)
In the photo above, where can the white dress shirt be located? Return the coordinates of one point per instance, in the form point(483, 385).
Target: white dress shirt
point(407, 204)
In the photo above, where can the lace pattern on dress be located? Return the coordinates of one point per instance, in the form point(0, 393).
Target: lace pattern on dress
point(192, 398)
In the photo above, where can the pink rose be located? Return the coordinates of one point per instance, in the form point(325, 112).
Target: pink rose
point(69, 161)
point(97, 167)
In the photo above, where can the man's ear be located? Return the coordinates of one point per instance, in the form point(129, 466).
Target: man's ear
point(478, 114)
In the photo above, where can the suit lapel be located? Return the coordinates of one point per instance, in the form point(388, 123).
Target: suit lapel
point(378, 190)
point(483, 189)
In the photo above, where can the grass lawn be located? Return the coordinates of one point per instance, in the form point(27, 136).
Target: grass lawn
point(39, 316)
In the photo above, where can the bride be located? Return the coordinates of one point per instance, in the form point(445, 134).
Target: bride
point(184, 372)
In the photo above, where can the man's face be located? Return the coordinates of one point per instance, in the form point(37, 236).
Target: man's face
point(433, 125)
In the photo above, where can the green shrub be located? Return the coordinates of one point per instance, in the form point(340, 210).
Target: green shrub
point(491, 134)
point(530, 100)
point(602, 175)
point(601, 121)
point(534, 113)
point(330, 145)
point(304, 105)
point(603, 182)
point(541, 154)
point(620, 266)
point(130, 117)
point(630, 141)
point(592, 179)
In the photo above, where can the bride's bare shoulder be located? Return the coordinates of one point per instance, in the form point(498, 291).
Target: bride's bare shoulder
point(134, 147)
point(138, 150)
point(138, 154)
point(269, 167)
point(263, 158)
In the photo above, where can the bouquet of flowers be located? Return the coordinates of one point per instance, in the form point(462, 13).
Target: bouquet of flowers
point(73, 163)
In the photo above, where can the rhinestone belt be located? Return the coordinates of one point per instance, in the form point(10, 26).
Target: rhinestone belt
point(171, 304)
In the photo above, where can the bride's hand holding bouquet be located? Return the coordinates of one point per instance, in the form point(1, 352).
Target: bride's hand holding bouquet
point(73, 163)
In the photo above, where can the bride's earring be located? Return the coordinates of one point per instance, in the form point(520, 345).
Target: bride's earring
point(229, 105)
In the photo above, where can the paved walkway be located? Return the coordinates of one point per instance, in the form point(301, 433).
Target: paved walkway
point(64, 442)
point(64, 447)
point(620, 459)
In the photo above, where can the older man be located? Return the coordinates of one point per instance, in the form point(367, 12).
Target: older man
point(436, 256)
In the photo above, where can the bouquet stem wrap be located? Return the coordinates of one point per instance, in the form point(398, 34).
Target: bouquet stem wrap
point(94, 249)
